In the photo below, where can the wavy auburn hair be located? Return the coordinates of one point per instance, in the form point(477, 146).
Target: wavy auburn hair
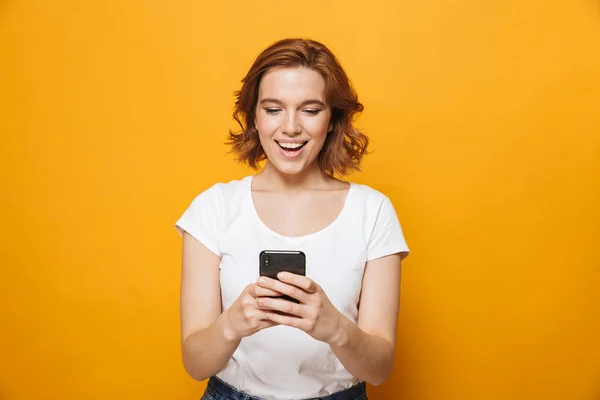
point(344, 146)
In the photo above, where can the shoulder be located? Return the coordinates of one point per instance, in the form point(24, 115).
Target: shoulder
point(220, 200)
point(369, 196)
point(213, 205)
point(371, 205)
point(222, 191)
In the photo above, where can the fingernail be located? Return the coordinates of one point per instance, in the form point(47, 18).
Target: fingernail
point(262, 280)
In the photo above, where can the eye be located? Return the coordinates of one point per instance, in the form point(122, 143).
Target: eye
point(312, 111)
point(271, 110)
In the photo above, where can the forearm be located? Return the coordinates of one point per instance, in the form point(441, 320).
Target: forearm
point(206, 352)
point(367, 357)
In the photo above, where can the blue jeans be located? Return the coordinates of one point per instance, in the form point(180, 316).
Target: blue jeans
point(219, 390)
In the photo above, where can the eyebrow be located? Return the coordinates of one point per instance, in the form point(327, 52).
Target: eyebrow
point(304, 103)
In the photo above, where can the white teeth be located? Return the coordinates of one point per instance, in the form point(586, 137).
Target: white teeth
point(291, 145)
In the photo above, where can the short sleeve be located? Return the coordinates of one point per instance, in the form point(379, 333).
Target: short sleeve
point(387, 237)
point(201, 219)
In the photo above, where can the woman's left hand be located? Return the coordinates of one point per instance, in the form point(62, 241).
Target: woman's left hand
point(315, 314)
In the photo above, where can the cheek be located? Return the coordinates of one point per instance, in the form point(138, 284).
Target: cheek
point(317, 127)
point(266, 125)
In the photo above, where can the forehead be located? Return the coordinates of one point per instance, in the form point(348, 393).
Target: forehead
point(292, 84)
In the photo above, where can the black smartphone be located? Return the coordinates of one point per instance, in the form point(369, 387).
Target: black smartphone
point(273, 262)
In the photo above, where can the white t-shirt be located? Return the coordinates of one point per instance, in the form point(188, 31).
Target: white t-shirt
point(284, 362)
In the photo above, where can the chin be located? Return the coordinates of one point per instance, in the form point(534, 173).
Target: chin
point(289, 169)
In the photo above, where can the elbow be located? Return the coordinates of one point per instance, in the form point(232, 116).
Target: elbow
point(375, 381)
point(378, 380)
point(195, 373)
point(192, 366)
point(198, 377)
point(382, 374)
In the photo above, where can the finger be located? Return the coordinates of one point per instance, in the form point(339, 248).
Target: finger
point(257, 291)
point(283, 288)
point(265, 320)
point(301, 281)
point(288, 320)
point(260, 291)
point(283, 306)
point(267, 323)
point(251, 289)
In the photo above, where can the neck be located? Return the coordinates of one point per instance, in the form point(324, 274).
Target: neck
point(271, 178)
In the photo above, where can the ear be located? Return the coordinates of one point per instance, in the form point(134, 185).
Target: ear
point(330, 128)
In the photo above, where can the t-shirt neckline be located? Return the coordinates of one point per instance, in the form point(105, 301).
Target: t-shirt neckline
point(264, 226)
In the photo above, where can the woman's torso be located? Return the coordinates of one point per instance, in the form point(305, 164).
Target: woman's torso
point(284, 362)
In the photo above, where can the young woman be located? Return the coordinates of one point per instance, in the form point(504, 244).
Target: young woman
point(295, 109)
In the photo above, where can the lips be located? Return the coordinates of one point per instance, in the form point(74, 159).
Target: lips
point(291, 149)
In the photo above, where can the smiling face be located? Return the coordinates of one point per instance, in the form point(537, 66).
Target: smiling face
point(292, 118)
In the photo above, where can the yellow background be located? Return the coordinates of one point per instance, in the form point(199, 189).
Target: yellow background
point(485, 127)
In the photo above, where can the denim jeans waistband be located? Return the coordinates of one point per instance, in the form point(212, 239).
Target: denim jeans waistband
point(223, 391)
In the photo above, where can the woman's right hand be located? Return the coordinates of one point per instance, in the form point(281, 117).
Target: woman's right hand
point(244, 317)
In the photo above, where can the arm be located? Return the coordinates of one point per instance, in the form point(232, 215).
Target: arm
point(206, 348)
point(209, 337)
point(367, 350)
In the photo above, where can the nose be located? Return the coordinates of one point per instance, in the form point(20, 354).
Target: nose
point(291, 125)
